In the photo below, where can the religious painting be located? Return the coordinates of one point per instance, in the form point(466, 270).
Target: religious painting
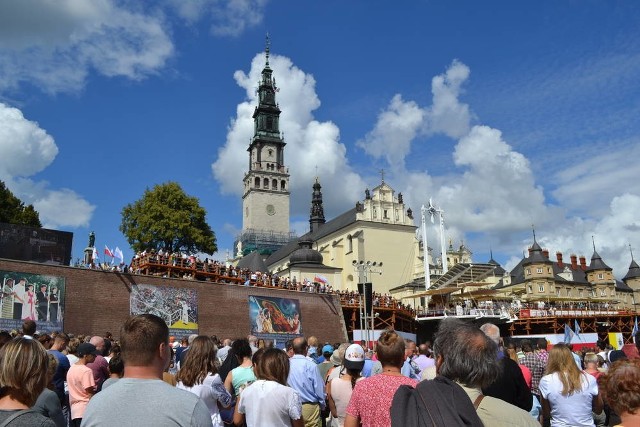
point(178, 307)
point(27, 296)
point(275, 319)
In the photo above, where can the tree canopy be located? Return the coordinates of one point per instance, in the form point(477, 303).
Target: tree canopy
point(166, 218)
point(13, 211)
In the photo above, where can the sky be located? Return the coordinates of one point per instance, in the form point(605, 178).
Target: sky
point(508, 115)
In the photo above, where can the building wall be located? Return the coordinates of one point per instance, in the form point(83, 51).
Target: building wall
point(98, 301)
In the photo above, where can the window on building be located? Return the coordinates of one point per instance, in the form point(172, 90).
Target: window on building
point(528, 272)
point(539, 270)
point(549, 270)
point(557, 292)
point(600, 276)
point(397, 215)
point(568, 292)
point(541, 287)
point(603, 292)
point(283, 184)
point(593, 293)
point(613, 292)
point(349, 243)
point(269, 123)
point(386, 216)
point(529, 289)
point(257, 183)
point(375, 213)
point(274, 184)
point(266, 183)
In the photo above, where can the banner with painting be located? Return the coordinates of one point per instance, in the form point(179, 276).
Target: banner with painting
point(275, 319)
point(177, 306)
point(34, 297)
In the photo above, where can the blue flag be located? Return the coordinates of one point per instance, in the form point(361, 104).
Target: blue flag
point(568, 333)
point(635, 328)
point(577, 328)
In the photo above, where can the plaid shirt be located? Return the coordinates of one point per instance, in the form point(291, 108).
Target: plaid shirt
point(535, 365)
point(543, 355)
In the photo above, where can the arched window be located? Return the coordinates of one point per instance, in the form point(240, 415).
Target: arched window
point(283, 185)
point(266, 183)
point(257, 183)
point(274, 184)
point(349, 243)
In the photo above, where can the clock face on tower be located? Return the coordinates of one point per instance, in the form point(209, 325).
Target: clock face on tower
point(271, 210)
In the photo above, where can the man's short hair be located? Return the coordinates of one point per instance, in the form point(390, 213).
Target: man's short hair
point(492, 331)
point(423, 349)
point(390, 349)
point(526, 346)
point(29, 327)
point(140, 337)
point(468, 355)
point(542, 344)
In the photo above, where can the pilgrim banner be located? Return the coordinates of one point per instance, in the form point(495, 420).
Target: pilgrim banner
point(178, 307)
point(27, 296)
point(276, 319)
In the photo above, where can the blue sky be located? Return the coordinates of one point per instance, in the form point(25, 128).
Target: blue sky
point(506, 113)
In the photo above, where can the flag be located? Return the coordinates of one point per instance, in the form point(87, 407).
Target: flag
point(635, 328)
point(118, 254)
point(568, 333)
point(577, 328)
point(320, 279)
point(94, 256)
point(108, 251)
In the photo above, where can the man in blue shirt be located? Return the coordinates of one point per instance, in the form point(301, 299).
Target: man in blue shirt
point(305, 378)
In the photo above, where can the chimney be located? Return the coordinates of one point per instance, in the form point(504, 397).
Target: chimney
point(574, 262)
point(559, 258)
point(583, 262)
point(545, 253)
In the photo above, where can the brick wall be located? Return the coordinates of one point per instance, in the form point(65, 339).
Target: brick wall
point(98, 301)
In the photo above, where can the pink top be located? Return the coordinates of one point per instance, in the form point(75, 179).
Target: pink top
point(526, 373)
point(372, 397)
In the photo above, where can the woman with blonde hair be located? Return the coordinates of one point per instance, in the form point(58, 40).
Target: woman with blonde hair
point(23, 375)
point(569, 395)
point(199, 375)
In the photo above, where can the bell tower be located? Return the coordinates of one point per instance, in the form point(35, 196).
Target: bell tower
point(265, 199)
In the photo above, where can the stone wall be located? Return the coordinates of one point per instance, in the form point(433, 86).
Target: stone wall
point(98, 301)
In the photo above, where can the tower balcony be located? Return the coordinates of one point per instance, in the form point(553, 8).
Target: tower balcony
point(269, 167)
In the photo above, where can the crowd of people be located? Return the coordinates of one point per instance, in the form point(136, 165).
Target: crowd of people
point(467, 377)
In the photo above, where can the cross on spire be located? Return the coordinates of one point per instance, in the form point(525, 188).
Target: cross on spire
point(382, 175)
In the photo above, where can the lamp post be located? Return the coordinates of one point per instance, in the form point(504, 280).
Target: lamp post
point(365, 289)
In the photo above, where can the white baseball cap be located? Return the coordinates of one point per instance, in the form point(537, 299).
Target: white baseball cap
point(354, 357)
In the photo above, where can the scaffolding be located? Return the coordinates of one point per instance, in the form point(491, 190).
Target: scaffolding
point(265, 242)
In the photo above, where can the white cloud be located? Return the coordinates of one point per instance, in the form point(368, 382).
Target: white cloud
point(229, 17)
point(26, 149)
point(54, 45)
point(310, 143)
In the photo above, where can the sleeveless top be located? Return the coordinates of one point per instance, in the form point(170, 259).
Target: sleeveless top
point(241, 377)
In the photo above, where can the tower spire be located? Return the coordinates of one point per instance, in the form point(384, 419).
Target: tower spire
point(593, 241)
point(316, 218)
point(267, 47)
point(631, 251)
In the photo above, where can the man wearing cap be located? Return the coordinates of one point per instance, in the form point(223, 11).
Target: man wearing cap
point(325, 361)
point(304, 378)
point(140, 397)
point(80, 382)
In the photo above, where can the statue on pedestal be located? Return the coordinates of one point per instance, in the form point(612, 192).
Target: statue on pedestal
point(92, 239)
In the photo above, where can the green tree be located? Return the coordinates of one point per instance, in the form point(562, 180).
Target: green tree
point(166, 218)
point(13, 211)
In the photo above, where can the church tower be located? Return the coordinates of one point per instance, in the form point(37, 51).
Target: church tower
point(265, 200)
